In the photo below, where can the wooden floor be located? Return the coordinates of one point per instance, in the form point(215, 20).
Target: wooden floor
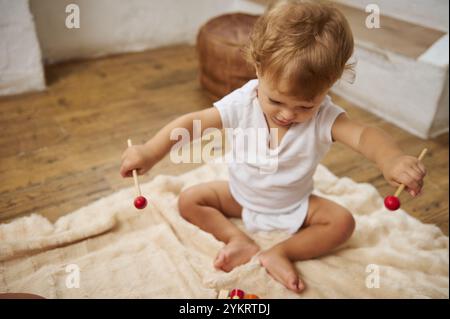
point(60, 149)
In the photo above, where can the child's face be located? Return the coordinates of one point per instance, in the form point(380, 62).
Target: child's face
point(283, 110)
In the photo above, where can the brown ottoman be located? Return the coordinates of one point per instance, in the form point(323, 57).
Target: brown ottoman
point(219, 44)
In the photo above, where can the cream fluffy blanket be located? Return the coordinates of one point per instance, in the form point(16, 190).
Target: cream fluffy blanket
point(124, 253)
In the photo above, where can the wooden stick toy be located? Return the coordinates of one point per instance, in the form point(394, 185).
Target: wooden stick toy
point(392, 202)
point(140, 201)
point(223, 294)
point(235, 294)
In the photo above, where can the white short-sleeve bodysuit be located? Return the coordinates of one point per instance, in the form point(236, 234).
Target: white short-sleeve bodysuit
point(276, 198)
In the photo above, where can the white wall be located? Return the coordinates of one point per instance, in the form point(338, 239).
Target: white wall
point(114, 26)
point(438, 56)
point(402, 91)
point(441, 118)
point(20, 56)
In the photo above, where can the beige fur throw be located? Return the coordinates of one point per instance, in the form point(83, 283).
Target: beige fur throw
point(109, 249)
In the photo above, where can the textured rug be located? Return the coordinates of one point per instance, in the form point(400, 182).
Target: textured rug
point(108, 249)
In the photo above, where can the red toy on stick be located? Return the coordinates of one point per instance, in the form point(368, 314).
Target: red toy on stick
point(237, 294)
point(392, 202)
point(140, 201)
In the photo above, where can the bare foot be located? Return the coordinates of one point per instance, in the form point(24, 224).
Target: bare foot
point(238, 251)
point(281, 269)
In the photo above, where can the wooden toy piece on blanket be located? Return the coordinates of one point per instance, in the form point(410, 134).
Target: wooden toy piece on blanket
point(140, 202)
point(393, 202)
point(223, 294)
point(235, 294)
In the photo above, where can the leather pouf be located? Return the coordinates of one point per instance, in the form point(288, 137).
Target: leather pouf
point(219, 48)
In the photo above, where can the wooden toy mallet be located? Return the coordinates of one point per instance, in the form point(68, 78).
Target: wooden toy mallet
point(392, 202)
point(235, 294)
point(140, 201)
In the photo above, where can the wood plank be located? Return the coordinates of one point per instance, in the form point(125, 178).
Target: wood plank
point(404, 38)
point(60, 149)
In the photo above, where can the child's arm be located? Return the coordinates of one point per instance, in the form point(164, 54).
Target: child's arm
point(144, 157)
point(379, 147)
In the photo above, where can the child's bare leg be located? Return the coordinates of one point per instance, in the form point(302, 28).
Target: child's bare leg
point(208, 205)
point(327, 225)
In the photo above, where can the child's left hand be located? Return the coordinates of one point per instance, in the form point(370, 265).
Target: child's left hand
point(407, 170)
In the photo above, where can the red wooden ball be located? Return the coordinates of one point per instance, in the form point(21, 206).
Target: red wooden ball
point(392, 202)
point(237, 294)
point(140, 202)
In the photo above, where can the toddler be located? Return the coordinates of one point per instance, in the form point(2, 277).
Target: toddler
point(299, 50)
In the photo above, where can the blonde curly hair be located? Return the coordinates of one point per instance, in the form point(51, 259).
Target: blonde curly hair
point(301, 46)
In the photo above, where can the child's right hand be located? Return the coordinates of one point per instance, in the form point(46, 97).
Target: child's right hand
point(137, 157)
point(407, 170)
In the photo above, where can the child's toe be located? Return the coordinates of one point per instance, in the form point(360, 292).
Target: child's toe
point(293, 283)
point(220, 260)
point(300, 286)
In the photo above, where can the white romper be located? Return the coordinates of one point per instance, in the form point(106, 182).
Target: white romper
point(274, 199)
